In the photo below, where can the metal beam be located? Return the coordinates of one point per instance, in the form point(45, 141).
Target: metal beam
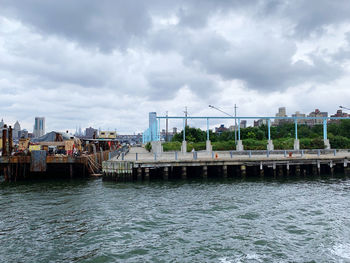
point(269, 129)
point(296, 128)
point(184, 130)
point(239, 129)
point(254, 118)
point(207, 129)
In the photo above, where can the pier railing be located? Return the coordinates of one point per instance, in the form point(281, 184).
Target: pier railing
point(198, 155)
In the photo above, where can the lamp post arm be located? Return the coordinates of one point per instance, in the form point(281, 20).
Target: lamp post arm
point(213, 107)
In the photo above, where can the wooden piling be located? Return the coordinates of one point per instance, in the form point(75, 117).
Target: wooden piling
point(166, 173)
point(71, 171)
point(243, 171)
point(183, 172)
point(297, 170)
point(224, 171)
point(139, 174)
point(204, 171)
point(261, 170)
point(146, 173)
point(280, 171)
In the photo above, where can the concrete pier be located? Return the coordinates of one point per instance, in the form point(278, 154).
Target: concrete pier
point(208, 146)
point(270, 146)
point(277, 165)
point(296, 144)
point(184, 147)
point(239, 146)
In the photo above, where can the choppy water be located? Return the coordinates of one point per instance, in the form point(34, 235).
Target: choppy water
point(215, 221)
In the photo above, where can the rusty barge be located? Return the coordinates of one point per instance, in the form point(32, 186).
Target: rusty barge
point(61, 157)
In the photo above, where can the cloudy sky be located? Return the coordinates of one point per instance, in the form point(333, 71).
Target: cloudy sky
point(107, 63)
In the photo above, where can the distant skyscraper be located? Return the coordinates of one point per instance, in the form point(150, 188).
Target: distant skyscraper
point(16, 130)
point(89, 132)
point(39, 126)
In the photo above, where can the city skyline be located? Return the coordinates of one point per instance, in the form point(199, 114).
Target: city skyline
point(78, 130)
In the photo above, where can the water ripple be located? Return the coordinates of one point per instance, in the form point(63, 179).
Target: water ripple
point(93, 221)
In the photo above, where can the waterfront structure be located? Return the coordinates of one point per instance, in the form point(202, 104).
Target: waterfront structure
point(157, 147)
point(107, 135)
point(139, 164)
point(39, 127)
point(152, 133)
point(153, 124)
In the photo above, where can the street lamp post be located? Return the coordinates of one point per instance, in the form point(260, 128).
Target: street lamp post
point(345, 108)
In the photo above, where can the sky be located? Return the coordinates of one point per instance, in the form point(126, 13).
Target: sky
point(107, 63)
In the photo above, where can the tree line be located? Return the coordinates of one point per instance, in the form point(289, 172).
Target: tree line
point(255, 138)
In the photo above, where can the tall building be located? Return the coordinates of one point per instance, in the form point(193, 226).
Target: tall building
point(298, 114)
point(16, 130)
point(39, 127)
point(260, 122)
point(281, 113)
point(339, 113)
point(316, 113)
point(2, 123)
point(243, 124)
point(89, 132)
point(23, 134)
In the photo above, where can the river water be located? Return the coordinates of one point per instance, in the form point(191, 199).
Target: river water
point(181, 221)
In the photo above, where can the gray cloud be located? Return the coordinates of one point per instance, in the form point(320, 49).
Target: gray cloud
point(105, 24)
point(86, 57)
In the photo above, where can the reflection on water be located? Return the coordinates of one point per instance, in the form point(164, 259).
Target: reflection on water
point(179, 221)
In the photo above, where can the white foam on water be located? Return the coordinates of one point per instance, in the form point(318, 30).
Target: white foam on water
point(342, 251)
point(241, 259)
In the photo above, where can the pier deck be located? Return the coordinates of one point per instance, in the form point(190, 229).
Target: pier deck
point(140, 164)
